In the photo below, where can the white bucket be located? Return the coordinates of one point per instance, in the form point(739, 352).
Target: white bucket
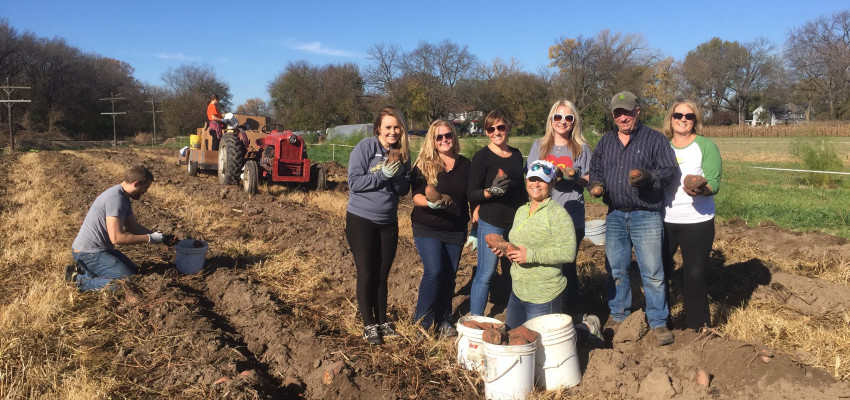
point(190, 259)
point(557, 360)
point(595, 231)
point(469, 351)
point(508, 371)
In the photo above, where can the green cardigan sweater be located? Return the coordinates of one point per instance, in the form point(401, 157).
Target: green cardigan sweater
point(550, 241)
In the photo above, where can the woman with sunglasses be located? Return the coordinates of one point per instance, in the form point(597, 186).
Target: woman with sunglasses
point(377, 176)
point(563, 144)
point(439, 227)
point(689, 213)
point(496, 187)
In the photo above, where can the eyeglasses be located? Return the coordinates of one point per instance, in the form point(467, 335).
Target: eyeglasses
point(546, 169)
point(444, 136)
point(559, 117)
point(501, 128)
point(688, 116)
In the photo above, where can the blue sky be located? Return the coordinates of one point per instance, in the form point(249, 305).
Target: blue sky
point(248, 43)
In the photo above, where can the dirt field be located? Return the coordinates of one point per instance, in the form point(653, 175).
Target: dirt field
point(273, 315)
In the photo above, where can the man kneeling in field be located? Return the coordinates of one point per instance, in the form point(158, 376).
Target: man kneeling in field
point(110, 221)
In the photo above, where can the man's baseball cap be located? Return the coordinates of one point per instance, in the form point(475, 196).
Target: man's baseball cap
point(625, 100)
point(542, 169)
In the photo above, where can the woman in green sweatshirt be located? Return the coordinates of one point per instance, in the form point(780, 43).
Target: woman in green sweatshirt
point(544, 239)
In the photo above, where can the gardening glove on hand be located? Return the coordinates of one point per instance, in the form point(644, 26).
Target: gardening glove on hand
point(437, 205)
point(596, 189)
point(156, 237)
point(639, 177)
point(391, 169)
point(569, 174)
point(472, 240)
point(500, 185)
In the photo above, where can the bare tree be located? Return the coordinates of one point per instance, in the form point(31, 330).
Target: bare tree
point(309, 97)
point(255, 106)
point(385, 67)
point(818, 54)
point(190, 87)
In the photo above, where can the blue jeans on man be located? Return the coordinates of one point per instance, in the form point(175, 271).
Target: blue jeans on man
point(642, 230)
point(487, 262)
point(437, 288)
point(98, 269)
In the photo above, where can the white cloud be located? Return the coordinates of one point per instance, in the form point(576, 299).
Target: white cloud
point(317, 48)
point(177, 56)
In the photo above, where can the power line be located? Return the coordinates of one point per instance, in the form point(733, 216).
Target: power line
point(112, 99)
point(153, 112)
point(9, 103)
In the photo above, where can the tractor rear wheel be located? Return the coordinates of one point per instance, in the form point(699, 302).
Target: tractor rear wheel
point(250, 177)
point(231, 155)
point(318, 177)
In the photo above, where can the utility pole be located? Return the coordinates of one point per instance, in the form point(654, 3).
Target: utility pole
point(153, 112)
point(112, 99)
point(9, 103)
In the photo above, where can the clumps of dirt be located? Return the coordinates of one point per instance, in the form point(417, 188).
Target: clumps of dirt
point(695, 182)
point(632, 329)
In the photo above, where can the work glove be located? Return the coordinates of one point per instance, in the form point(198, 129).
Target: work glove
point(391, 169)
point(437, 205)
point(596, 189)
point(569, 174)
point(500, 185)
point(156, 237)
point(639, 177)
point(472, 240)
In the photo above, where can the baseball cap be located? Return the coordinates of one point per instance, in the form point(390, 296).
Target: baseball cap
point(625, 100)
point(541, 169)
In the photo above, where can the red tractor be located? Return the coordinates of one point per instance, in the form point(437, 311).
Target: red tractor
point(279, 156)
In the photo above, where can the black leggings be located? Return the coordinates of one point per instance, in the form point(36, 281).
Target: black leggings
point(373, 247)
point(695, 241)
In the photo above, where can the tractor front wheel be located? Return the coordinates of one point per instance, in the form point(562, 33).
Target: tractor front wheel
point(250, 177)
point(318, 177)
point(192, 168)
point(231, 155)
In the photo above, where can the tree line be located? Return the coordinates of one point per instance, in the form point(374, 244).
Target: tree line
point(439, 80)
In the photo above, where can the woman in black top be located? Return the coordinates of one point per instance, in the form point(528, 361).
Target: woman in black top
point(439, 219)
point(497, 185)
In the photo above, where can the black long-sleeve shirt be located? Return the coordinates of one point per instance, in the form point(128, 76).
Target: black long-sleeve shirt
point(497, 210)
point(647, 149)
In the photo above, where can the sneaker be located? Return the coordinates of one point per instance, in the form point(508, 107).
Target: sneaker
point(388, 330)
point(71, 273)
point(370, 333)
point(595, 328)
point(663, 335)
point(446, 330)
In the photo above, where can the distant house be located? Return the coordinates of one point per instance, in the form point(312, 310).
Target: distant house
point(788, 114)
point(475, 119)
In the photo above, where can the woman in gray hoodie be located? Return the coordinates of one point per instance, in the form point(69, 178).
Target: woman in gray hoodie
point(378, 173)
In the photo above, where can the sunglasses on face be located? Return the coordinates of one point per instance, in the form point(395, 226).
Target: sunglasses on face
point(501, 128)
point(559, 117)
point(546, 169)
point(688, 116)
point(444, 136)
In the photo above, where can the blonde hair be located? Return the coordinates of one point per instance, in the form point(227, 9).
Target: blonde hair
point(429, 161)
point(576, 140)
point(668, 125)
point(403, 143)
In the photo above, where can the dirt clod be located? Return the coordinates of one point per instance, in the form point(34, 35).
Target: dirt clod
point(695, 182)
point(633, 328)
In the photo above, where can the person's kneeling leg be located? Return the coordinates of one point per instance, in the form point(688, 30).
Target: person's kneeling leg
point(101, 268)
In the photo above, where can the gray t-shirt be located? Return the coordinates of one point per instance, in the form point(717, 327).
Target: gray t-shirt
point(568, 194)
point(93, 236)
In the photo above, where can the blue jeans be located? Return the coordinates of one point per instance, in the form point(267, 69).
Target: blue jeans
point(487, 262)
point(520, 311)
point(101, 268)
point(643, 230)
point(437, 287)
